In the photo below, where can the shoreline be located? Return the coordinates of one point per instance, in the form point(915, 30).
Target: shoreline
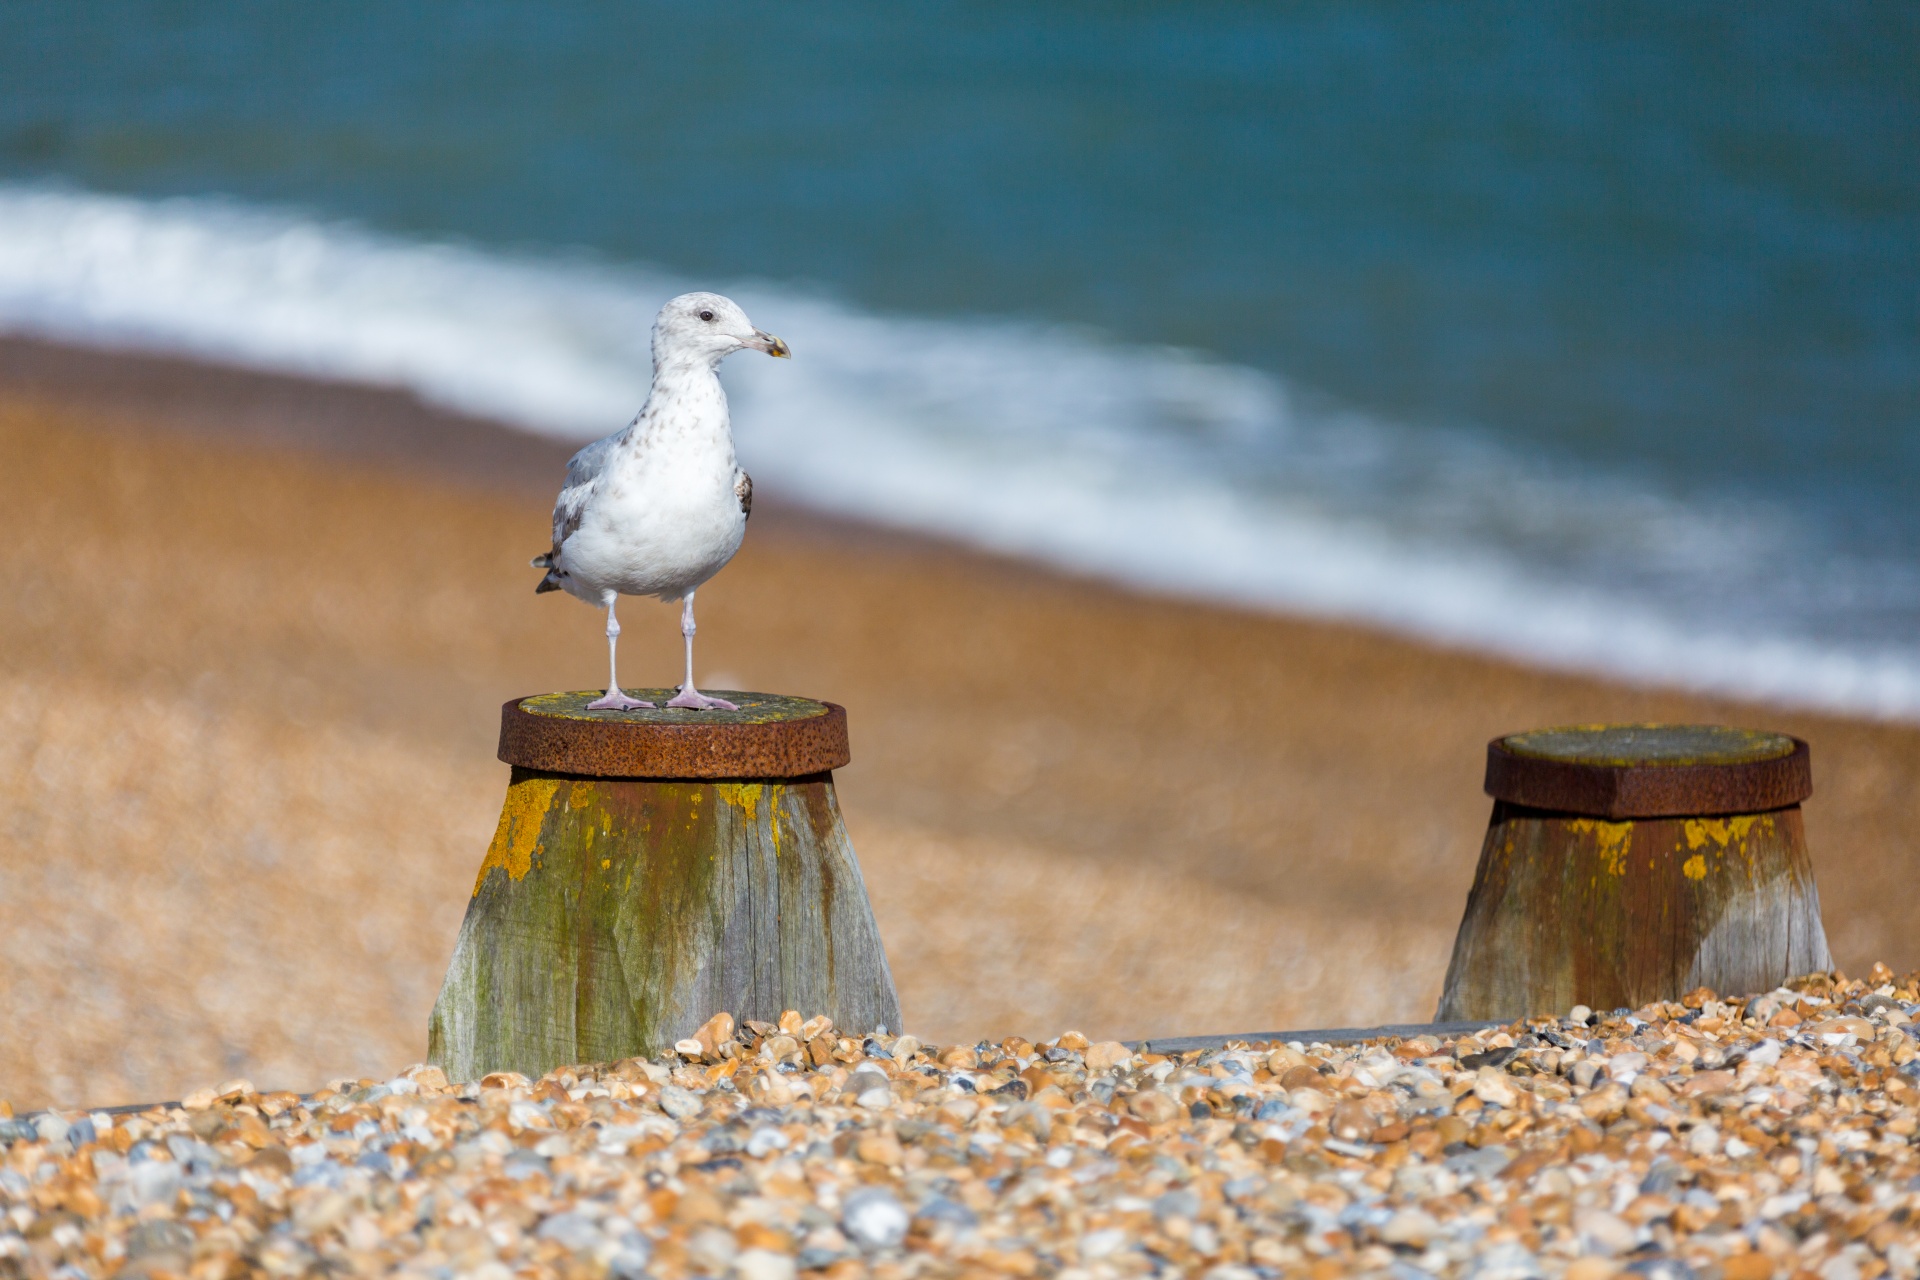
point(393, 430)
point(1075, 805)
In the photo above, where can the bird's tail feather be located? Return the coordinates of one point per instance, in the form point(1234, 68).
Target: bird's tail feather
point(552, 581)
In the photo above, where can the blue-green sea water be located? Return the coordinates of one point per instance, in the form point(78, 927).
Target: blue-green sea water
point(1585, 333)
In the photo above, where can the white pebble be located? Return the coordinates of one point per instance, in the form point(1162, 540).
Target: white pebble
point(763, 1264)
point(874, 1218)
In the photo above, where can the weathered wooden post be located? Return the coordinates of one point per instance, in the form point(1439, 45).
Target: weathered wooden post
point(1632, 863)
point(652, 868)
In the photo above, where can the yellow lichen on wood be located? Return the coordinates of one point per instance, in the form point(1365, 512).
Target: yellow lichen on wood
point(1724, 831)
point(744, 794)
point(600, 944)
point(1570, 909)
point(518, 834)
point(1610, 840)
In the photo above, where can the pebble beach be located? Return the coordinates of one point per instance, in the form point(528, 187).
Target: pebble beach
point(1710, 1138)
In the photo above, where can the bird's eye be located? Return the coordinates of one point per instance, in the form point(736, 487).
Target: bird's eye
point(706, 315)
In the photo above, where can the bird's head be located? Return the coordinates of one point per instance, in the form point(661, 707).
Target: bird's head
point(707, 328)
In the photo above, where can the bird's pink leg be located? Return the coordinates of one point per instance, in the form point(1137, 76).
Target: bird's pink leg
point(615, 700)
point(690, 698)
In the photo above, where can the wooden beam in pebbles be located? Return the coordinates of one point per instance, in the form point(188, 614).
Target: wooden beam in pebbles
point(1629, 863)
point(1737, 1138)
point(649, 867)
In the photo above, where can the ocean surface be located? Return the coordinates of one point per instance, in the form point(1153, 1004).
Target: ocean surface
point(1589, 336)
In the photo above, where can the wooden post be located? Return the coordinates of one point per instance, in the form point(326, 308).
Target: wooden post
point(1631, 863)
point(650, 869)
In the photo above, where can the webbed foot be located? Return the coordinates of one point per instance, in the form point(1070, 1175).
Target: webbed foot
point(617, 701)
point(691, 699)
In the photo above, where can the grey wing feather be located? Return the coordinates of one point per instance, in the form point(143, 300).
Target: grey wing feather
point(583, 475)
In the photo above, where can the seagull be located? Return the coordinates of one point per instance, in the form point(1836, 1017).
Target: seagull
point(659, 507)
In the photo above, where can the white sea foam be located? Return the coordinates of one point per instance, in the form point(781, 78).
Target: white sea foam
point(1159, 468)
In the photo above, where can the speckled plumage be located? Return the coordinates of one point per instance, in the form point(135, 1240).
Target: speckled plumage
point(659, 507)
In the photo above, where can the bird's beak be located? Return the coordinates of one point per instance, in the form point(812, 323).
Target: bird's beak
point(764, 341)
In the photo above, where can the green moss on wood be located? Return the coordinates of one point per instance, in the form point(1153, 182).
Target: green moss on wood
point(1625, 745)
point(755, 708)
point(641, 907)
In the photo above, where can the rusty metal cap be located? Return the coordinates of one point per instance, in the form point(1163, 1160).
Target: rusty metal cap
point(1649, 770)
point(770, 736)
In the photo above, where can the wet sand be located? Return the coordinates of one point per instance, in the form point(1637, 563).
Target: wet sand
point(251, 660)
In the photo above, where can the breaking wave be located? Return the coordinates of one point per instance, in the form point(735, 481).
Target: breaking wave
point(1159, 468)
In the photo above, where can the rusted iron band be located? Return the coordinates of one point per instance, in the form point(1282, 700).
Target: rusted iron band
point(1657, 785)
point(770, 736)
